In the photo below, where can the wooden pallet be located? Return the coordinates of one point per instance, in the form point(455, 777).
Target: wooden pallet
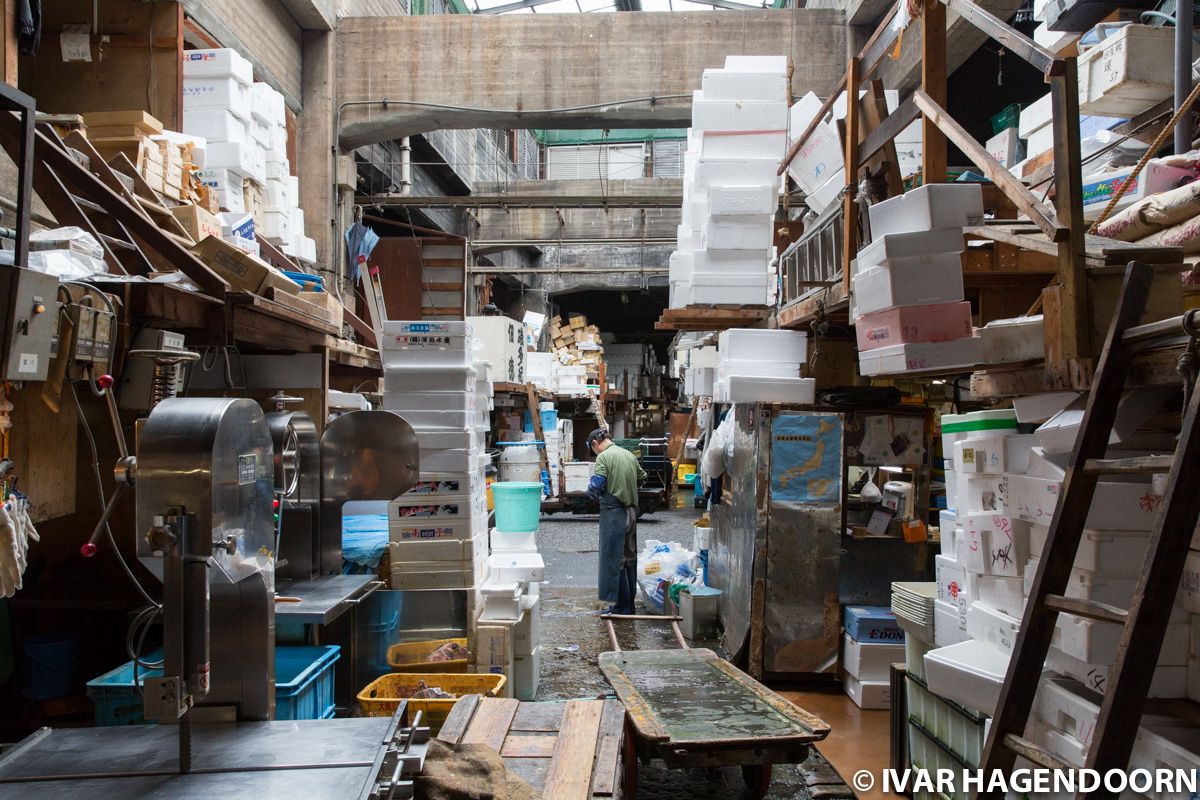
point(565, 751)
point(711, 317)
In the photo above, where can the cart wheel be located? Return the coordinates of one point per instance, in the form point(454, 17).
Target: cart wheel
point(629, 764)
point(757, 778)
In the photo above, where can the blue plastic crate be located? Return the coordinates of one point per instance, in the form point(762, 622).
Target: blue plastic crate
point(304, 684)
point(872, 624)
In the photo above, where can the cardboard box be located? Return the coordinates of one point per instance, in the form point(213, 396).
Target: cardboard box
point(242, 270)
point(328, 304)
point(197, 222)
point(134, 118)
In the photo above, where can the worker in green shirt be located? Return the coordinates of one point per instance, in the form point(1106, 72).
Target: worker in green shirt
point(615, 486)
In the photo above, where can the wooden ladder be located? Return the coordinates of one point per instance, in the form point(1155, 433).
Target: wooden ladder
point(1144, 623)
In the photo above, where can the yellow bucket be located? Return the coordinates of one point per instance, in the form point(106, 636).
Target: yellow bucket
point(383, 696)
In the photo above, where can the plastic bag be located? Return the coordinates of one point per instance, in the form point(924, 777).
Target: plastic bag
point(714, 460)
point(659, 566)
point(72, 238)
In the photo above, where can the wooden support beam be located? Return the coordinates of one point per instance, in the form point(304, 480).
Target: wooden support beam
point(888, 128)
point(875, 113)
point(1068, 184)
point(849, 205)
point(1008, 37)
point(933, 84)
point(1040, 216)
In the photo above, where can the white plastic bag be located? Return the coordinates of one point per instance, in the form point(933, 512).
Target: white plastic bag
point(659, 565)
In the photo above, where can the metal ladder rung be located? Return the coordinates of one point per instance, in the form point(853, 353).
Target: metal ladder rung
point(1088, 609)
point(1032, 752)
point(1145, 465)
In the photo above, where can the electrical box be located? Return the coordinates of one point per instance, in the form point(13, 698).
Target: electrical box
point(137, 381)
point(30, 301)
point(90, 333)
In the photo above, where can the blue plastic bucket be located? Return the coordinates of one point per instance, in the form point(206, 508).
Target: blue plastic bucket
point(518, 505)
point(49, 665)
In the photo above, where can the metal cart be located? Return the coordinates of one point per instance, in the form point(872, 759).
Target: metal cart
point(692, 708)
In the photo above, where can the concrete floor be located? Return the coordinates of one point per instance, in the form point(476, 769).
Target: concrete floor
point(573, 636)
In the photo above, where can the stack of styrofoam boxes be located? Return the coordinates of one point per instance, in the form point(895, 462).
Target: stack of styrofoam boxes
point(509, 626)
point(217, 105)
point(624, 360)
point(429, 380)
point(552, 436)
point(501, 341)
point(1035, 128)
point(871, 642)
point(731, 189)
point(908, 306)
point(977, 491)
point(572, 380)
point(762, 366)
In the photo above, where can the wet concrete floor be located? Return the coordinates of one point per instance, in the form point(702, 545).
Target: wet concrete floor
point(573, 636)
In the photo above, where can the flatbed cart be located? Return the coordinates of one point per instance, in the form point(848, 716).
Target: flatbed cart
point(692, 708)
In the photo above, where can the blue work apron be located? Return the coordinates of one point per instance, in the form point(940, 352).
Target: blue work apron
point(616, 519)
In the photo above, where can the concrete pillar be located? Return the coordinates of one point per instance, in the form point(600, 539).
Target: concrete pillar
point(314, 152)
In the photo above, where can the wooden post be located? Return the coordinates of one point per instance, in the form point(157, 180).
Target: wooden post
point(933, 83)
point(850, 176)
point(1075, 323)
point(9, 40)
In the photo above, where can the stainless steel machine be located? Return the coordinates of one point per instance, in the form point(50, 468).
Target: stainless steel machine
point(206, 482)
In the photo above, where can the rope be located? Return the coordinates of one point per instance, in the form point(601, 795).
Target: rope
point(1150, 151)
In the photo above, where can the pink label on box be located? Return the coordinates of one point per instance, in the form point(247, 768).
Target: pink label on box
point(939, 322)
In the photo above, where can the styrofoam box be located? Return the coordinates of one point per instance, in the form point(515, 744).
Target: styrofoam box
point(439, 575)
point(506, 542)
point(236, 157)
point(1128, 72)
point(956, 729)
point(277, 168)
point(462, 529)
point(405, 377)
point(1006, 595)
point(404, 402)
point(735, 172)
point(970, 673)
point(821, 157)
point(761, 64)
point(994, 544)
point(939, 322)
point(723, 84)
point(731, 288)
point(1054, 41)
point(217, 63)
point(949, 623)
point(751, 345)
point(978, 493)
point(448, 486)
point(425, 550)
point(502, 600)
point(917, 356)
point(1005, 147)
point(1040, 407)
point(415, 512)
point(1040, 141)
point(827, 193)
point(269, 105)
point(227, 185)
point(681, 266)
point(1166, 744)
point(1011, 340)
point(523, 567)
point(758, 369)
point(738, 115)
point(723, 144)
point(741, 200)
point(988, 624)
point(882, 288)
point(738, 233)
point(954, 584)
point(948, 524)
point(1190, 584)
point(869, 661)
point(751, 389)
point(868, 694)
point(1168, 681)
point(215, 125)
point(746, 264)
point(425, 344)
point(1121, 506)
point(224, 93)
point(1035, 116)
point(934, 205)
point(926, 247)
point(1116, 554)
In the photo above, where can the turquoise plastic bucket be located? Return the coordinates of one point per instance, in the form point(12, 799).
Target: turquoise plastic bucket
point(518, 505)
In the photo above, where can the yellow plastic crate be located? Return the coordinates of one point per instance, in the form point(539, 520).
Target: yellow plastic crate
point(411, 656)
point(383, 695)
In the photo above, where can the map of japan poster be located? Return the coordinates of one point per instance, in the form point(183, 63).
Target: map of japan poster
point(806, 459)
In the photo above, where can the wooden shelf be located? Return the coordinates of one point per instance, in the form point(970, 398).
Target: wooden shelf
point(711, 317)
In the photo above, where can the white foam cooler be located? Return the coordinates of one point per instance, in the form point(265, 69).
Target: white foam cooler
point(935, 205)
point(886, 249)
point(761, 345)
point(881, 288)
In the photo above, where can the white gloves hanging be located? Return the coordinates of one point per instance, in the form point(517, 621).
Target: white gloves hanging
point(16, 533)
